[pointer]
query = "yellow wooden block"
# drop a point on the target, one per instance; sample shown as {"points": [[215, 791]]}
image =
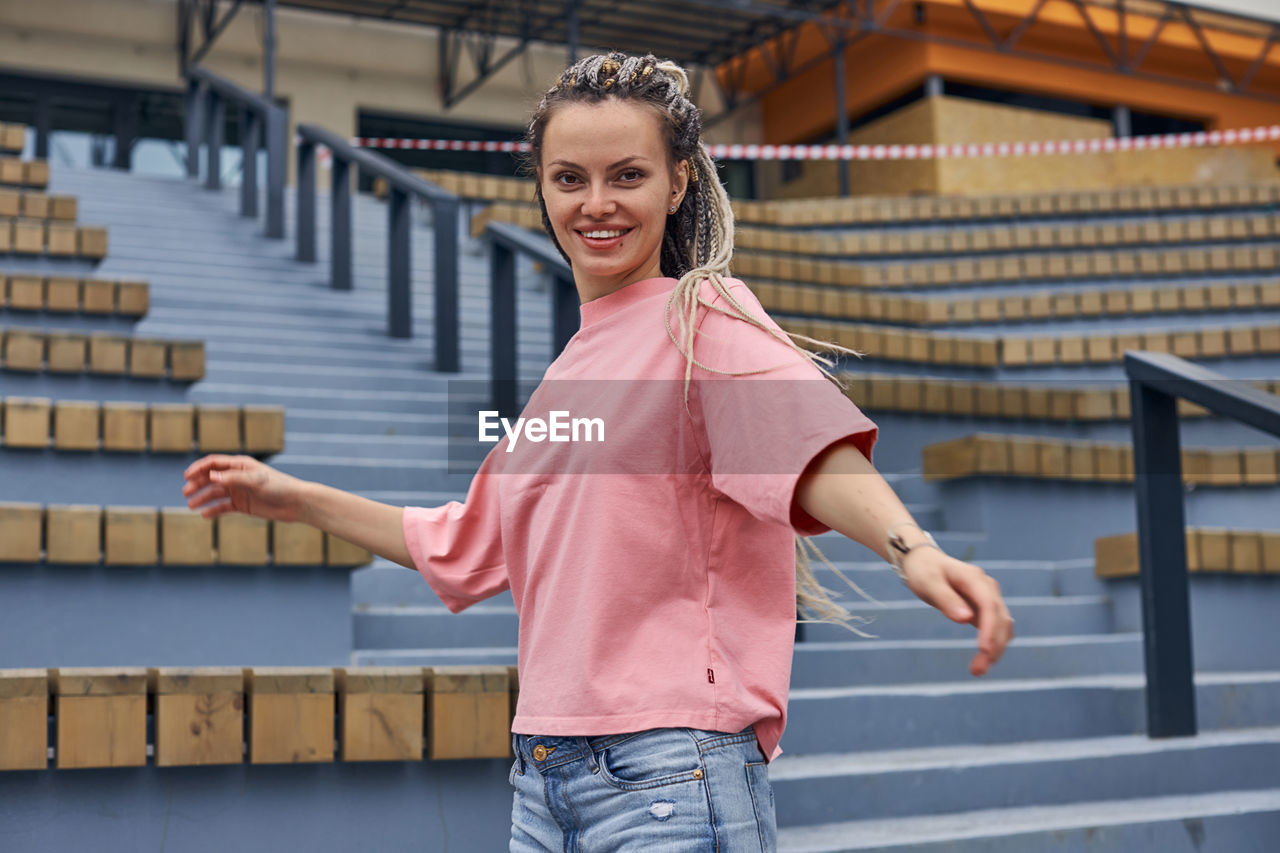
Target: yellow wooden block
{"points": [[124, 426], [218, 429], [93, 242], [1116, 556], [1260, 467], [242, 540], [1110, 466], [1053, 459], [62, 294], [468, 712], [26, 422], [133, 298], [340, 552], [1244, 551], [131, 535], [383, 713], [102, 717], [21, 531], [99, 296], [199, 715], [24, 719], [67, 352], [297, 544], [35, 173], [108, 354], [948, 460], [63, 207], [172, 427], [1270, 541], [27, 292], [10, 203], [28, 237], [186, 360], [1081, 461], [291, 714], [73, 534], [186, 538], [147, 357], [62, 239], [77, 425]]}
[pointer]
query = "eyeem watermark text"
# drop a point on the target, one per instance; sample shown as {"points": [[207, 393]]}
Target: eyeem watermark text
{"points": [[560, 427]]}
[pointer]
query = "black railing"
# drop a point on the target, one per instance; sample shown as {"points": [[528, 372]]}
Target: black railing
{"points": [[206, 112], [505, 243], [1156, 381], [402, 186]]}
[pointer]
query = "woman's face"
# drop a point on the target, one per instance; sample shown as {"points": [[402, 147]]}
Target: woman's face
{"points": [[607, 185]]}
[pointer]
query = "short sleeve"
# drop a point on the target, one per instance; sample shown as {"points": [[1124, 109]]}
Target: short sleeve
{"points": [[457, 547], [762, 430]]}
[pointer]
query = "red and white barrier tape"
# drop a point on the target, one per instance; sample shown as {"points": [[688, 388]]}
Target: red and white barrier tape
{"points": [[891, 152]]}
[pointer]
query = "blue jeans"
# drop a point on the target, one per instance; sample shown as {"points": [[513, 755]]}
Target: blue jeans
{"points": [[666, 790]]}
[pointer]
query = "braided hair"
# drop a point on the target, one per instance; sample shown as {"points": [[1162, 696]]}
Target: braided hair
{"points": [[697, 243]]}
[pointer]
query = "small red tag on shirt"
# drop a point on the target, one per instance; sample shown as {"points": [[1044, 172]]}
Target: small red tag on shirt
{"points": [[711, 676]]}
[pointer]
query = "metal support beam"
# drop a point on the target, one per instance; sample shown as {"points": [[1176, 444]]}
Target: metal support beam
{"points": [[1122, 120], [211, 34], [502, 329], [269, 49], [933, 86], [340, 226], [1162, 558], [571, 13], [277, 169], [306, 224], [193, 119], [215, 121], [250, 141], [124, 120], [44, 126], [399, 301], [444, 216], [842, 112]]}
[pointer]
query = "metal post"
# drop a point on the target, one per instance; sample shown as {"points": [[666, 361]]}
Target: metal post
{"points": [[340, 225], [1122, 120], [444, 215], [502, 329], [44, 126], [215, 118], [399, 303], [124, 119], [933, 86], [571, 14], [193, 119], [250, 139], [1162, 559], [842, 114], [566, 313], [277, 165], [269, 49], [306, 225]]}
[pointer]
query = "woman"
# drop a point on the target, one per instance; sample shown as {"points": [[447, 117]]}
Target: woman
{"points": [[655, 575]]}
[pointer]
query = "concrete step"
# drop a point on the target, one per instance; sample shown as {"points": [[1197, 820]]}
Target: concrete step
{"points": [[1226, 820], [982, 711], [886, 784], [913, 619], [420, 626]]}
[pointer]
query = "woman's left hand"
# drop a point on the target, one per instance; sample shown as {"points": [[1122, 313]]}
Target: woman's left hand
{"points": [[965, 593]]}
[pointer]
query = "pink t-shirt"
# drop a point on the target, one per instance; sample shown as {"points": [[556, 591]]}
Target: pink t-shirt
{"points": [[653, 570]]}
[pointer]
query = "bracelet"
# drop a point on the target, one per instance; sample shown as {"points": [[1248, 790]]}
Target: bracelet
{"points": [[898, 550]]}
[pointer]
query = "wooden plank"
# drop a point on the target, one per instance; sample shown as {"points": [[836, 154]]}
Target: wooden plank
{"points": [[133, 298], [218, 428], [21, 532], [73, 534], [24, 719], [383, 713], [108, 354], [27, 293], [291, 714], [124, 426], [1245, 551], [77, 425], [67, 352], [28, 237], [62, 239], [99, 296], [172, 427], [186, 360], [62, 294], [340, 552], [131, 535], [468, 712], [93, 242], [1116, 556], [296, 544], [186, 538], [199, 715], [26, 422], [263, 429], [147, 357], [24, 350], [242, 540], [102, 717], [1260, 467]]}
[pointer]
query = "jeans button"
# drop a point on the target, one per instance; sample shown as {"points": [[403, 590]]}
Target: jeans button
{"points": [[539, 753]]}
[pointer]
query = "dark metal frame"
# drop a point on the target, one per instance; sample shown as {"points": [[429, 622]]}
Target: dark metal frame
{"points": [[506, 242], [207, 97], [402, 186], [1156, 381]]}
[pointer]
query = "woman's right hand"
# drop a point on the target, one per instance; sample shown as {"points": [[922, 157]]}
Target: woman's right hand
{"points": [[218, 484]]}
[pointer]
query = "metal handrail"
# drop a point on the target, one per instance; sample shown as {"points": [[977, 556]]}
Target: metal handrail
{"points": [[506, 241], [402, 185], [206, 99], [1156, 381]]}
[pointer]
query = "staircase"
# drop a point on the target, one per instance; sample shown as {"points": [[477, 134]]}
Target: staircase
{"points": [[890, 745]]}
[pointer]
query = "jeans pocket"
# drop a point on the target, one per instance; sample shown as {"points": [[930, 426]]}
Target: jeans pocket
{"points": [[762, 801], [652, 759]]}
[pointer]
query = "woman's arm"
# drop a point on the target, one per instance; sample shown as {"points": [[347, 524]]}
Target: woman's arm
{"points": [[841, 489]]}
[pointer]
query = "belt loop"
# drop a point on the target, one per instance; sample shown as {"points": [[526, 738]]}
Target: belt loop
{"points": [[589, 753], [516, 748]]}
